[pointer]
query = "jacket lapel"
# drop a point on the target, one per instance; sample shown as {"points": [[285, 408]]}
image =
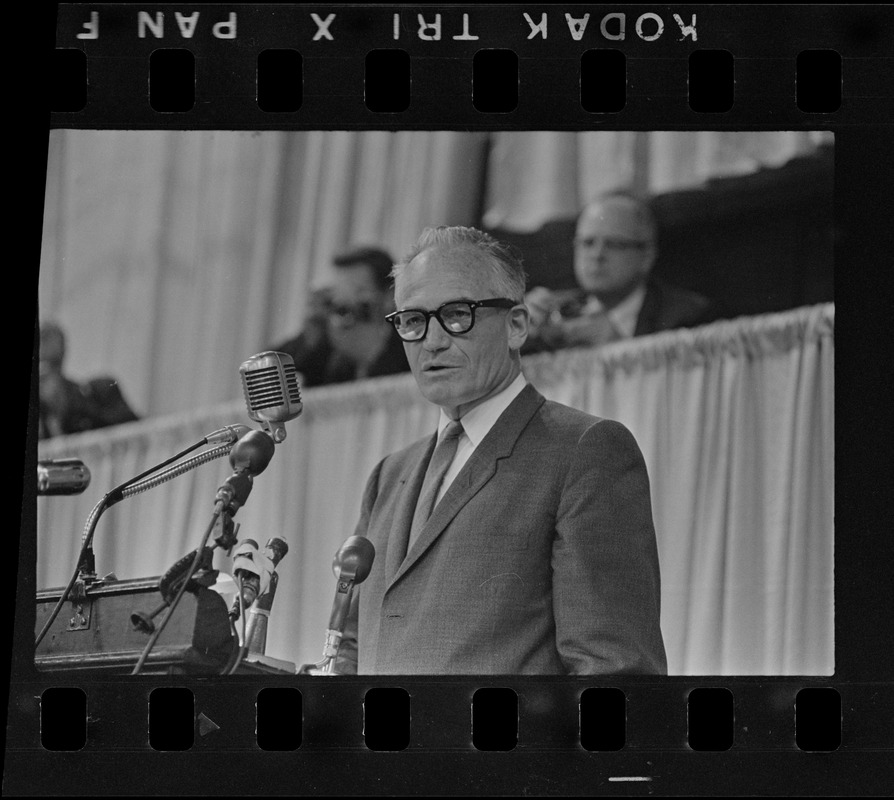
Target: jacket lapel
{"points": [[646, 321], [411, 485], [478, 470]]}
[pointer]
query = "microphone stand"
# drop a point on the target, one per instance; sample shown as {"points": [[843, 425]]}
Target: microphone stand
{"points": [[249, 457], [351, 565], [230, 497], [85, 571]]}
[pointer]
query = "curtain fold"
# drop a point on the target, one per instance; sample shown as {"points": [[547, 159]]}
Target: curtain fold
{"points": [[537, 176], [735, 421]]}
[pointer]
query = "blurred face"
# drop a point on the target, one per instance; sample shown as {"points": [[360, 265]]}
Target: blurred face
{"points": [[355, 310], [355, 296], [613, 249], [458, 372]]}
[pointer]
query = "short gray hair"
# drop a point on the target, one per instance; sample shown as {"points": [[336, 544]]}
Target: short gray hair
{"points": [[507, 268]]}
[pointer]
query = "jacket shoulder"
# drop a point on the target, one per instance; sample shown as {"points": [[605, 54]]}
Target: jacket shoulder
{"points": [[667, 306], [559, 417]]}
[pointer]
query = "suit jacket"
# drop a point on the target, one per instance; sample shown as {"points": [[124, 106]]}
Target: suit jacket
{"points": [[540, 558], [666, 307], [87, 406]]}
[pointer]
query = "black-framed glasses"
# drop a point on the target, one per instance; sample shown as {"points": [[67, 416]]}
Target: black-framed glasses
{"points": [[350, 314], [455, 317], [611, 243]]}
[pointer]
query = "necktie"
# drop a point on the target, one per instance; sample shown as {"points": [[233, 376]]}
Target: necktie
{"points": [[440, 462]]}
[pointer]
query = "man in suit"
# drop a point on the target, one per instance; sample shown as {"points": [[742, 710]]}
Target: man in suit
{"points": [[539, 556], [617, 295], [67, 406], [346, 337]]}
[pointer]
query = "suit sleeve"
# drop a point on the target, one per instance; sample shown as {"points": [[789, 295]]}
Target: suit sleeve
{"points": [[346, 661], [606, 583]]}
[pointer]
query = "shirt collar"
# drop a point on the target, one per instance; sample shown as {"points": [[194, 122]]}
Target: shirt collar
{"points": [[478, 422], [625, 314]]}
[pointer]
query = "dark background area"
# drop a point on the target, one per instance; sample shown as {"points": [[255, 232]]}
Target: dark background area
{"points": [[756, 243]]}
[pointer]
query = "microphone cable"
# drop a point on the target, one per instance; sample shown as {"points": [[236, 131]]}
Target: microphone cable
{"points": [[180, 592]]}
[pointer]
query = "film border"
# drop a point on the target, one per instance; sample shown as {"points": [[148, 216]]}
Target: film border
{"points": [[334, 761]]}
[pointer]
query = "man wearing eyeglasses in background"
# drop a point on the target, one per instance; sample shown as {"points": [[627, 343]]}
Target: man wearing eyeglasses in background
{"points": [[346, 336], [519, 538], [618, 298]]}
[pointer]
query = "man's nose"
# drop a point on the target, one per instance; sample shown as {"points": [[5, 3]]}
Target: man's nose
{"points": [[436, 338]]}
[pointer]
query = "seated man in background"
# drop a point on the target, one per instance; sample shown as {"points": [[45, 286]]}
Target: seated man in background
{"points": [[70, 407], [346, 336], [614, 250]]}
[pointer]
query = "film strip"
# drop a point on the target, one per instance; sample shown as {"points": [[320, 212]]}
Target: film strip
{"points": [[501, 67]]}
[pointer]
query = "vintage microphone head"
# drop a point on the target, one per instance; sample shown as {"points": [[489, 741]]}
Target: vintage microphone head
{"points": [[354, 559], [272, 394]]}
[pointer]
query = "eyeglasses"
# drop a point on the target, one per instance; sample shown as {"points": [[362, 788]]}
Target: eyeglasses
{"points": [[611, 243], [455, 318], [349, 315]]}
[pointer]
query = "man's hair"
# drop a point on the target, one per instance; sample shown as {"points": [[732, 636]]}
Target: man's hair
{"points": [[376, 259], [641, 207], [506, 264]]}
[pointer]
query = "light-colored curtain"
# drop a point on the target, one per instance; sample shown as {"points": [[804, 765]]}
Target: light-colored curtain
{"points": [[169, 257], [167, 254], [536, 176], [735, 421]]}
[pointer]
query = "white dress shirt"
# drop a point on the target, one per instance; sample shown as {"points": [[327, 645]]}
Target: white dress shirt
{"points": [[624, 315], [476, 425]]}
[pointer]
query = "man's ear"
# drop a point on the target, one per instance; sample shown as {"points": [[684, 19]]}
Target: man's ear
{"points": [[517, 321]]}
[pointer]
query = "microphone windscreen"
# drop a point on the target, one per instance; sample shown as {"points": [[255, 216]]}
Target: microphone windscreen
{"points": [[252, 453], [276, 549], [354, 559]]}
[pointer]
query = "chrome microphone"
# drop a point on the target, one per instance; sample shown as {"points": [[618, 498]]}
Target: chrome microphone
{"points": [[259, 612], [272, 394], [253, 568], [62, 476]]}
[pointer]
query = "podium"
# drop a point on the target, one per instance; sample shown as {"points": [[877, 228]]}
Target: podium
{"points": [[95, 635]]}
